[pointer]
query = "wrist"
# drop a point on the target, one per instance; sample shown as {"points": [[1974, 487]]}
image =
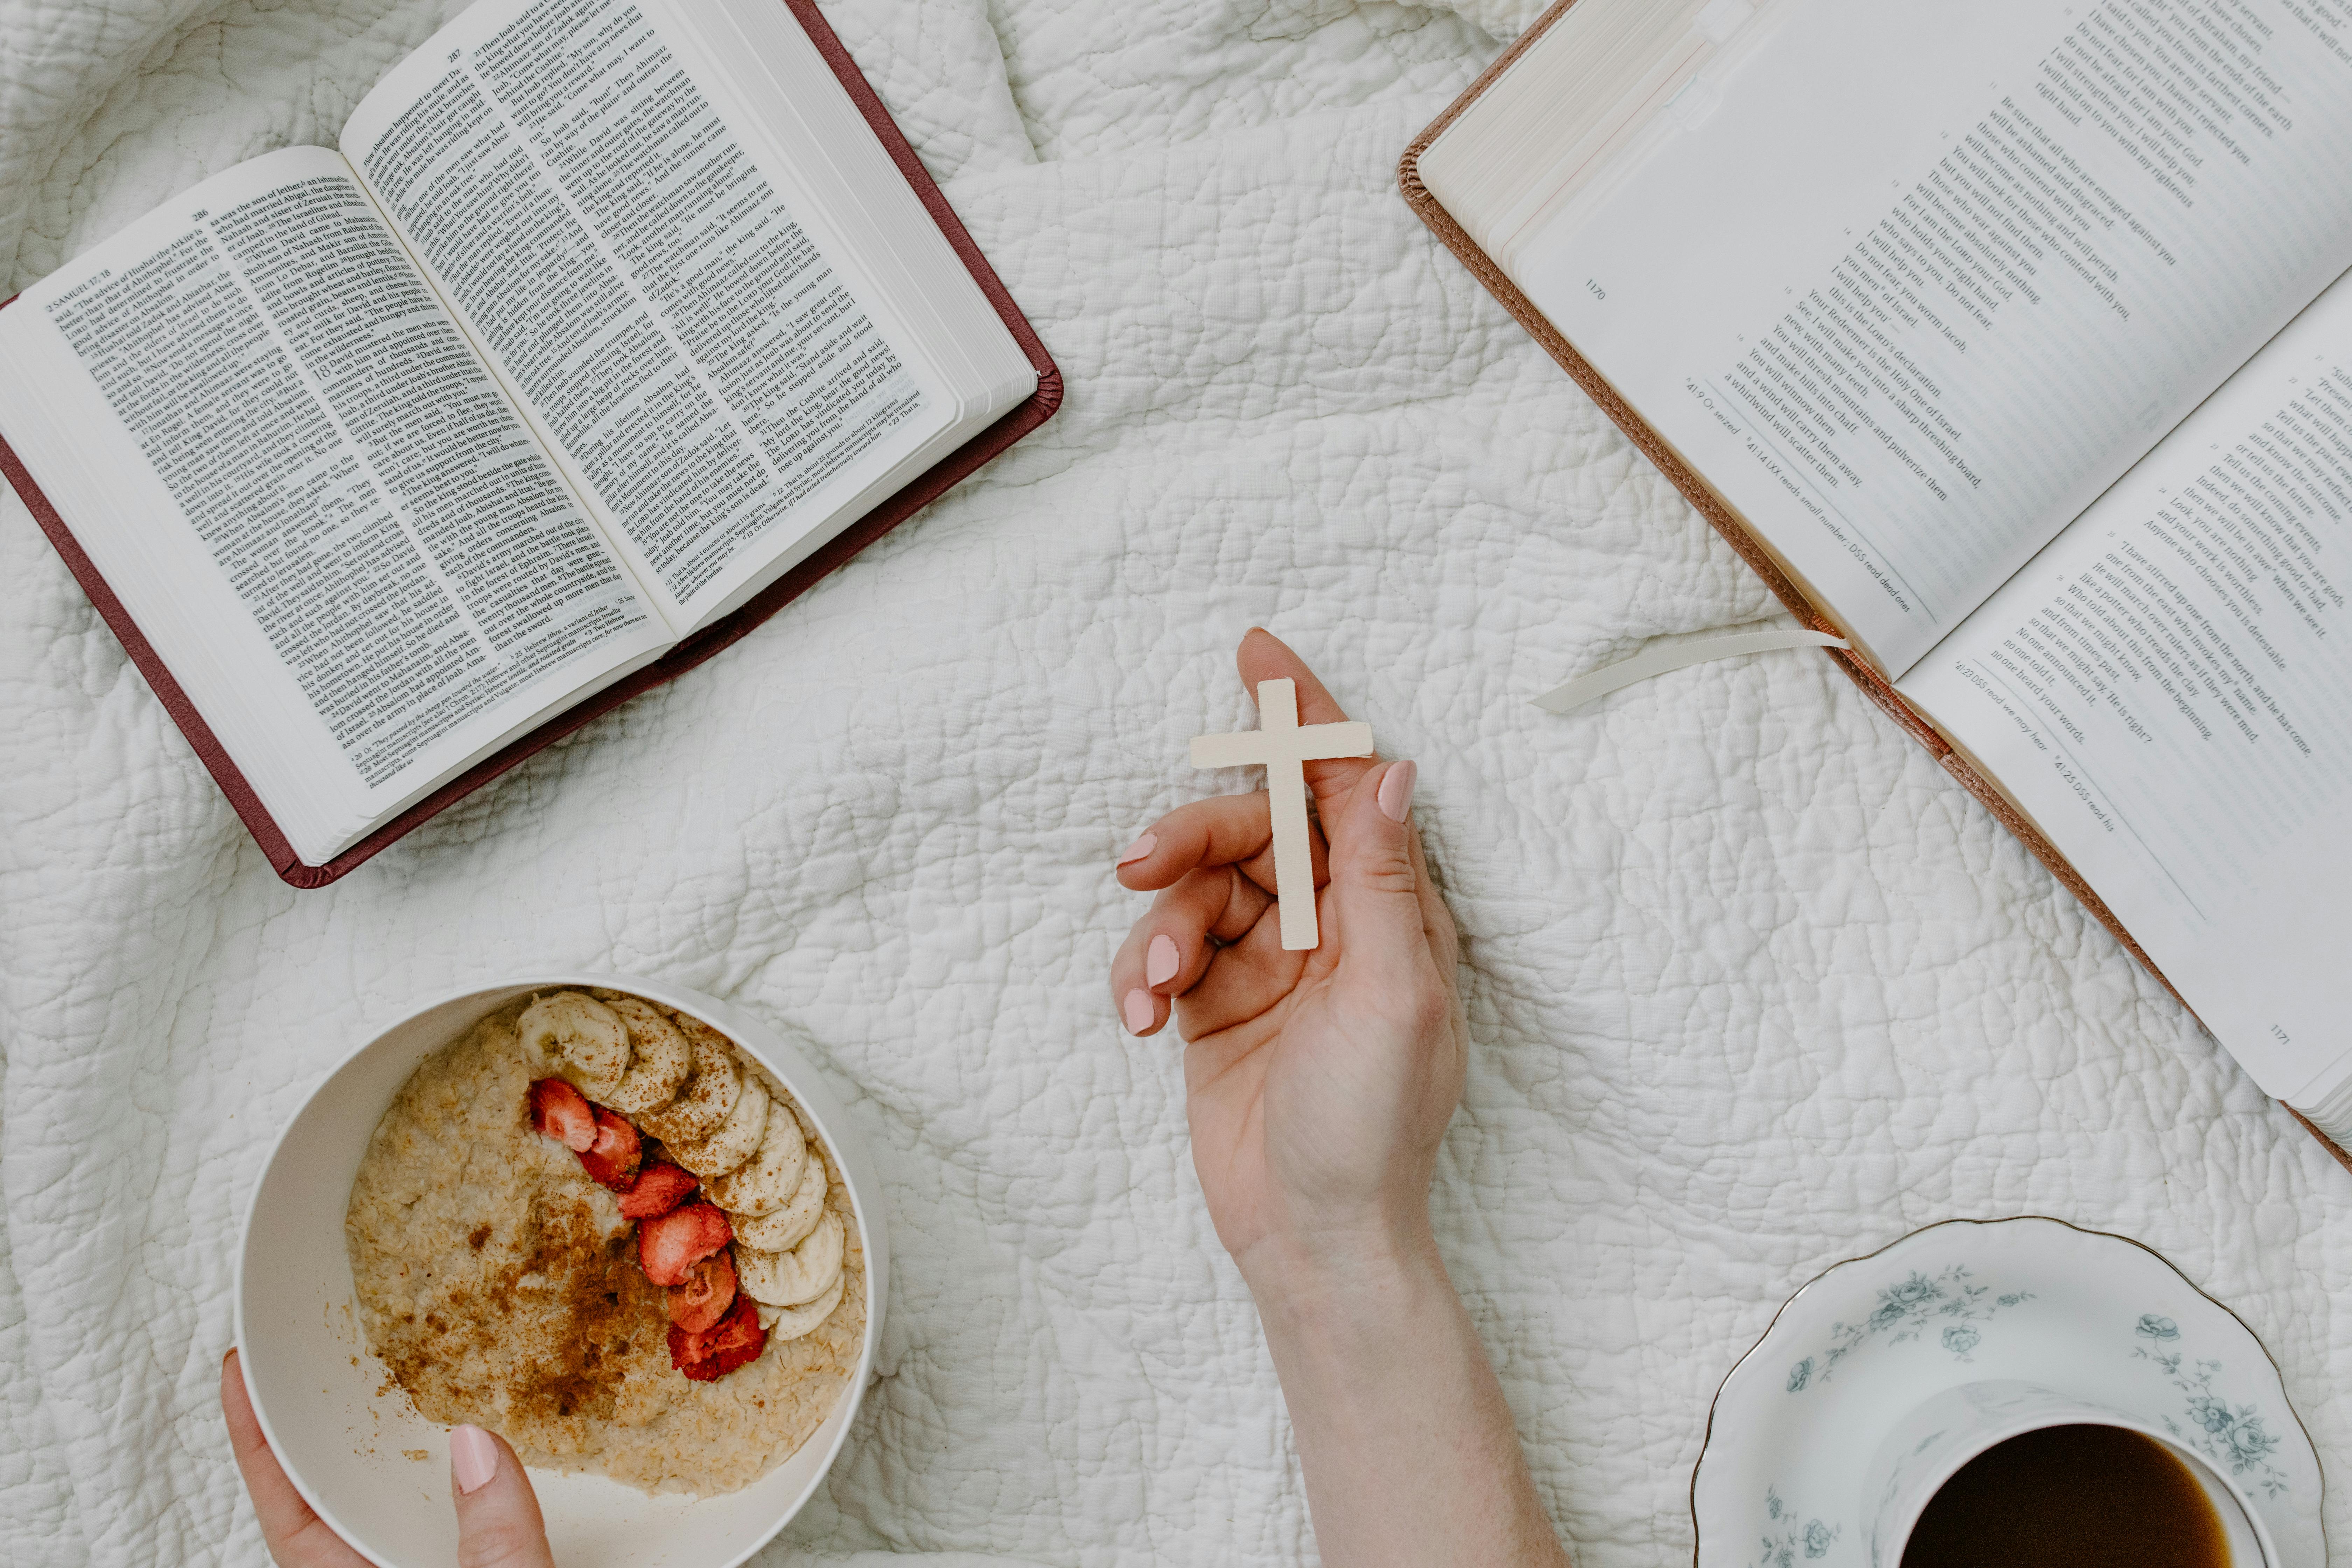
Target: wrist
{"points": [[1334, 1280]]}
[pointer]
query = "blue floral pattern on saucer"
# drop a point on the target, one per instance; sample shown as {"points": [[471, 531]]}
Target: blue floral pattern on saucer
{"points": [[1907, 1311], [2234, 1437], [1785, 1541]]}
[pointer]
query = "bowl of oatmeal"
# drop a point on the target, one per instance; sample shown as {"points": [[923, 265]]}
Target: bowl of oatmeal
{"points": [[623, 1224]]}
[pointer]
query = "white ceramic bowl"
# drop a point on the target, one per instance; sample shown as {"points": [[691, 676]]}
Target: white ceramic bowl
{"points": [[317, 1388]]}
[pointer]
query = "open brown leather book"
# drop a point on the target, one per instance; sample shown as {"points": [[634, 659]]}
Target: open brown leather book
{"points": [[2007, 342], [609, 326]]}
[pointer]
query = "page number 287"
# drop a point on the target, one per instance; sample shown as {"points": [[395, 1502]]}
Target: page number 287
{"points": [[1595, 290]]}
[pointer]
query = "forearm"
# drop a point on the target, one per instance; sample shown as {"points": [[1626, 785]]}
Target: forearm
{"points": [[1409, 1450]]}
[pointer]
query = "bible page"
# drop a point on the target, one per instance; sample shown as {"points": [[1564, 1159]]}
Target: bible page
{"points": [[2167, 689], [1911, 284], [677, 320], [311, 495]]}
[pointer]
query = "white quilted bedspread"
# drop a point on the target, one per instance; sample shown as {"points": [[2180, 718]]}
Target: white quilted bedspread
{"points": [[1753, 986]]}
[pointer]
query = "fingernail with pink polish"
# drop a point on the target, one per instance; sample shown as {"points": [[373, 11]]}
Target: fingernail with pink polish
{"points": [[1139, 1010], [1396, 790], [1139, 850], [1160, 961], [473, 1457]]}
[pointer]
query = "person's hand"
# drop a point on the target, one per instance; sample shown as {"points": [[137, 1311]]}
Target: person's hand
{"points": [[498, 1525], [1318, 1084]]}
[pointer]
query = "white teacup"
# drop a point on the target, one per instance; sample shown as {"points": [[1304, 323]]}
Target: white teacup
{"points": [[1929, 1446]]}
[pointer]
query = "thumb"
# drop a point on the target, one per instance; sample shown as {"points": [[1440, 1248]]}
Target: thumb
{"points": [[499, 1524], [1375, 886]]}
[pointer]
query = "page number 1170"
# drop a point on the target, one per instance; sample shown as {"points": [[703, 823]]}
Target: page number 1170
{"points": [[1595, 290]]}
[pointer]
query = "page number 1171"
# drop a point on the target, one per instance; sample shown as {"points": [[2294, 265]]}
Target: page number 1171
{"points": [[1595, 290]]}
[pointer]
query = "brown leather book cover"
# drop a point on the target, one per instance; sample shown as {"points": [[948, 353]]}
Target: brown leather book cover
{"points": [[925, 489], [1727, 522]]}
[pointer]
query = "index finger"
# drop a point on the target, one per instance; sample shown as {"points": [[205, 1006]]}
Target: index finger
{"points": [[1234, 830], [1264, 657]]}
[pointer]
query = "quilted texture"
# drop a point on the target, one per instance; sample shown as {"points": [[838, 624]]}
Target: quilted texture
{"points": [[1753, 986]]}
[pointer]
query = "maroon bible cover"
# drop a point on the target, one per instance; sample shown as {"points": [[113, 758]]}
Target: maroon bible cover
{"points": [[920, 493]]}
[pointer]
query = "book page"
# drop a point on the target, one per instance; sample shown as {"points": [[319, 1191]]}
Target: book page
{"points": [[2167, 688], [326, 483], [1914, 284], [659, 302]]}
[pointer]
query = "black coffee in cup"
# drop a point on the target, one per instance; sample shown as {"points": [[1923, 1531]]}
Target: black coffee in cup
{"points": [[2070, 1496]]}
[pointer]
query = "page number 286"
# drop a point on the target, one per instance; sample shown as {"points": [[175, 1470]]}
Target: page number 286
{"points": [[1595, 290]]}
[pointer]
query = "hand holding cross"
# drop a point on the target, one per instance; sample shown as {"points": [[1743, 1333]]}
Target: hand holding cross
{"points": [[1285, 747]]}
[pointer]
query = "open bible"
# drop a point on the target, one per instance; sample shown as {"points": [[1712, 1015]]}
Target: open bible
{"points": [[611, 325], [2007, 343]]}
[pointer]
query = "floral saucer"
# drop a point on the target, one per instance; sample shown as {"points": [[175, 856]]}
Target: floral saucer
{"points": [[2091, 1316]]}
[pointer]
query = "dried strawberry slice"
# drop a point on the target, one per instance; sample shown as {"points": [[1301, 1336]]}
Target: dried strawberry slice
{"points": [[657, 1189], [613, 1158], [710, 1289], [670, 1244], [562, 1112], [736, 1341]]}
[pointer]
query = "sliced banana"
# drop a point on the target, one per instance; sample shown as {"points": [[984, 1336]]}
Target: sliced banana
{"points": [[792, 1322], [659, 1060], [769, 1179], [788, 1279], [585, 1039], [789, 1225], [706, 1099], [736, 1140]]}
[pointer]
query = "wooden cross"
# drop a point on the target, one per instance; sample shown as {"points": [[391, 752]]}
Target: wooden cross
{"points": [[1285, 747]]}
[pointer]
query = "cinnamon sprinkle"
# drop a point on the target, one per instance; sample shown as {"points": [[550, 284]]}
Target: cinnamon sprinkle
{"points": [[604, 1307], [567, 1306]]}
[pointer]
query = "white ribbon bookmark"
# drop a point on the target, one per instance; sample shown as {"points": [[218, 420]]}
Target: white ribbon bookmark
{"points": [[1667, 658]]}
